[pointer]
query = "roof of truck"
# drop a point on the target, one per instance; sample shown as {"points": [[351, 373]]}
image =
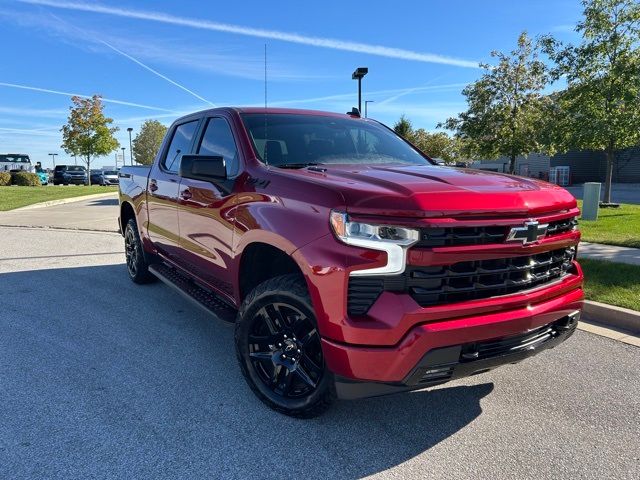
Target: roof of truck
{"points": [[270, 110]]}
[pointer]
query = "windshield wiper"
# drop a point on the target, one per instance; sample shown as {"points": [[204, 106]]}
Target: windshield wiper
{"points": [[297, 165]]}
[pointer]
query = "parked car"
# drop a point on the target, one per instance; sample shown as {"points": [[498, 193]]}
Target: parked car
{"points": [[69, 174], [351, 264], [104, 177], [96, 176]]}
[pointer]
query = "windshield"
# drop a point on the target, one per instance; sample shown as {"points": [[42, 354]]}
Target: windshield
{"points": [[74, 168], [299, 140], [110, 172], [14, 158]]}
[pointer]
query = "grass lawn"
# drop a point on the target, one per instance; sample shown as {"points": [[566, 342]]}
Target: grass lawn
{"points": [[612, 283], [615, 226], [15, 197]]}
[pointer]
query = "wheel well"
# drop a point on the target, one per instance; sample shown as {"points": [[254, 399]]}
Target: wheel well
{"points": [[126, 213], [261, 262]]}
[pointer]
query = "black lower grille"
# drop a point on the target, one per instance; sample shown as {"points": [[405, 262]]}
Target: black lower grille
{"points": [[463, 281], [516, 343]]}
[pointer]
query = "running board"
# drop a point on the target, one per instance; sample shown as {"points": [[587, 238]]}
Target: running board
{"points": [[208, 301]]}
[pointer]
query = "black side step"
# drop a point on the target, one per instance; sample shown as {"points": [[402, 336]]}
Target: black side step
{"points": [[205, 299]]}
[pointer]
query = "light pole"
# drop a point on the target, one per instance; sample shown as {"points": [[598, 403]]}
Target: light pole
{"points": [[130, 147], [367, 102], [53, 157], [357, 75], [75, 158], [123, 158]]}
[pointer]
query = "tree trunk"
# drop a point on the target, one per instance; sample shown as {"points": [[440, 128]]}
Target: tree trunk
{"points": [[607, 183], [512, 164], [88, 170]]}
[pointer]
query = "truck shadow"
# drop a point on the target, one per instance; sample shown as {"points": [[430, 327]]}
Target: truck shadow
{"points": [[151, 382]]}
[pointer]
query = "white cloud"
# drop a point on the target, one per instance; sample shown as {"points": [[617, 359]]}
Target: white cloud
{"points": [[321, 42]]}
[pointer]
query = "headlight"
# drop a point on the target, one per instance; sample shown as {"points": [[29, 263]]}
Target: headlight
{"points": [[390, 239]]}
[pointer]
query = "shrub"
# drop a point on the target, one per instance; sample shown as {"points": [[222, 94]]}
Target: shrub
{"points": [[5, 179], [25, 179]]}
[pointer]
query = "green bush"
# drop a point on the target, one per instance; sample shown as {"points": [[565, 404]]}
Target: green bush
{"points": [[25, 179], [5, 179]]}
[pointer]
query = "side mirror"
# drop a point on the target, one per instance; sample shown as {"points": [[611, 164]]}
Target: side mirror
{"points": [[203, 167]]}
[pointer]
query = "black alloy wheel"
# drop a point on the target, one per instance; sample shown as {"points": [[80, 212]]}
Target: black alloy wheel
{"points": [[285, 350], [136, 264], [279, 348]]}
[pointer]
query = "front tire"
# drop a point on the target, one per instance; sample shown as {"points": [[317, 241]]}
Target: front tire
{"points": [[137, 266], [279, 349]]}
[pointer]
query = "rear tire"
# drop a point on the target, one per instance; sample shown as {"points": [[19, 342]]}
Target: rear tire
{"points": [[279, 350], [137, 265]]}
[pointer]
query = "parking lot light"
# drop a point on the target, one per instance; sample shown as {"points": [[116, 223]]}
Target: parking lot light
{"points": [[357, 75]]}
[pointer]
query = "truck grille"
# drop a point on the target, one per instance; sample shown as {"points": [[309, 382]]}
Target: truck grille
{"points": [[516, 343], [459, 236], [463, 281]]}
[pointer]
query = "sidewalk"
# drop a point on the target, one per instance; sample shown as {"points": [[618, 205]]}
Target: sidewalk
{"points": [[611, 253], [100, 214]]}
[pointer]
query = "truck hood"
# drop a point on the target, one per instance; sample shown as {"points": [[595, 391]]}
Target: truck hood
{"points": [[436, 191]]}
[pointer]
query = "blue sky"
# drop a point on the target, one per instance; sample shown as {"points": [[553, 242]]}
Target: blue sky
{"points": [[162, 59]]}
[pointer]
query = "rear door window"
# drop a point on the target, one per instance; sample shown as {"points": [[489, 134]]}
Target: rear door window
{"points": [[180, 145]]}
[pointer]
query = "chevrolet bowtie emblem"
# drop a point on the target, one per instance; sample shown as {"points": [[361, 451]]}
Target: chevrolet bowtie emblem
{"points": [[531, 232]]}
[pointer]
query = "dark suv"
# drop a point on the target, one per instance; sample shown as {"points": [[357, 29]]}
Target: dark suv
{"points": [[66, 174]]}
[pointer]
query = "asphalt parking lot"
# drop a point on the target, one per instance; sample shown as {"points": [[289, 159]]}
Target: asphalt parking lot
{"points": [[100, 378]]}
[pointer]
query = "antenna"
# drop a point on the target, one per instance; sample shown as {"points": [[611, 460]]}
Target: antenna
{"points": [[266, 138]]}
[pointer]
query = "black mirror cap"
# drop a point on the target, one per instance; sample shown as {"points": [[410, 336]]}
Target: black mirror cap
{"points": [[203, 167]]}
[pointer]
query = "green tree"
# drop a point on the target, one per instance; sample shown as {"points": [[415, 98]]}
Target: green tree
{"points": [[436, 145], [600, 107], [87, 133], [404, 128], [506, 108], [148, 141]]}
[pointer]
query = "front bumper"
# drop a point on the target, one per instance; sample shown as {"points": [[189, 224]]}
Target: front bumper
{"points": [[444, 364], [395, 365]]}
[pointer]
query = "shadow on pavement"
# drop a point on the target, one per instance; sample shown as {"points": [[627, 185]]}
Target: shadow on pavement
{"points": [[104, 202], [103, 378]]}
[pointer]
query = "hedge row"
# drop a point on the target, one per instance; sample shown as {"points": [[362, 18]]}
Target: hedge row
{"points": [[25, 179]]}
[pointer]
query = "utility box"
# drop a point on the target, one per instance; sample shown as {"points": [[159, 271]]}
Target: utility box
{"points": [[590, 201]]}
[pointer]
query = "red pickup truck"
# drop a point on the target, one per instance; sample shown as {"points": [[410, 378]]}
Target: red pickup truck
{"points": [[350, 264]]}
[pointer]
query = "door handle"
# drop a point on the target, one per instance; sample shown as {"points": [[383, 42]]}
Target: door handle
{"points": [[186, 194], [153, 185]]}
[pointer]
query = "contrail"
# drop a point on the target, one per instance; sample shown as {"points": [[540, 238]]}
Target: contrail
{"points": [[322, 42], [135, 60], [67, 94], [397, 92], [155, 72], [35, 131]]}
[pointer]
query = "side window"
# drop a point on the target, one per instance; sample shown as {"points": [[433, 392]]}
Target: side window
{"points": [[180, 144], [218, 141]]}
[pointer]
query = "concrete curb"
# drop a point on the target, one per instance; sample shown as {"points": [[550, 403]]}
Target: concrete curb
{"points": [[609, 315], [62, 201]]}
